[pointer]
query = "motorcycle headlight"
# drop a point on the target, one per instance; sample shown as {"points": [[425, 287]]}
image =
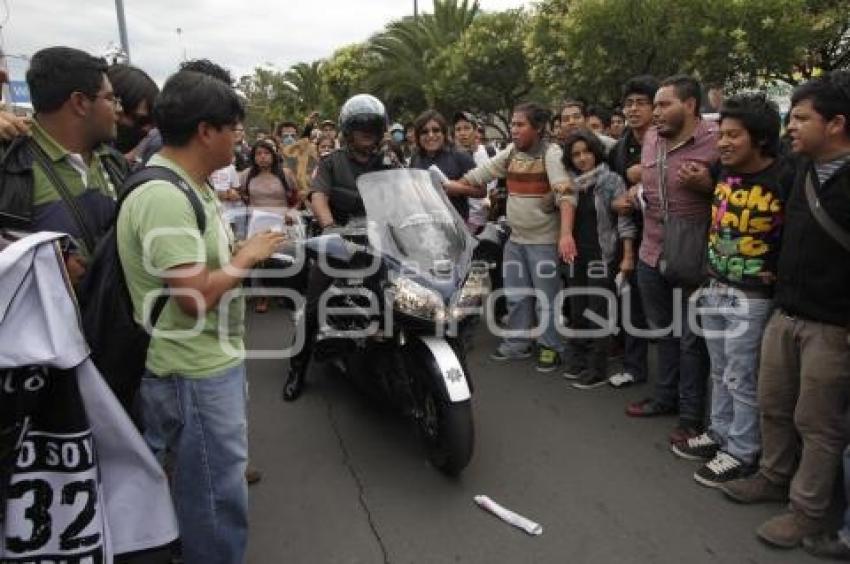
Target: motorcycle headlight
{"points": [[415, 299], [476, 288]]}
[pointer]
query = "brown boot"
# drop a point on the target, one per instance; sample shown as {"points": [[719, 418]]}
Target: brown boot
{"points": [[252, 475], [789, 529], [755, 489]]}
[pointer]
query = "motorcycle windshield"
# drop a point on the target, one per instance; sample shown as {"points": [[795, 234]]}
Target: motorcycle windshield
{"points": [[412, 221]]}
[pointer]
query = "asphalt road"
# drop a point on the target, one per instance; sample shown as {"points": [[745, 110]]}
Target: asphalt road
{"points": [[345, 482]]}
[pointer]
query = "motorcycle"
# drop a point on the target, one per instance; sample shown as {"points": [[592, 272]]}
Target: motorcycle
{"points": [[404, 288]]}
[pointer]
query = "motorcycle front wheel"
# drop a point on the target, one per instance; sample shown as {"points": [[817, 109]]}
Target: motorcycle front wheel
{"points": [[445, 428]]}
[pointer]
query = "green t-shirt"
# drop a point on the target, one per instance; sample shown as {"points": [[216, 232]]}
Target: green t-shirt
{"points": [[96, 177], [157, 230]]}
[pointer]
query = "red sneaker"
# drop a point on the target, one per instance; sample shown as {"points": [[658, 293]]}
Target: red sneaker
{"points": [[648, 408]]}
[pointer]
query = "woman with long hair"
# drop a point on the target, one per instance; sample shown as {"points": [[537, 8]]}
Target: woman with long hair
{"points": [[433, 148], [268, 186]]}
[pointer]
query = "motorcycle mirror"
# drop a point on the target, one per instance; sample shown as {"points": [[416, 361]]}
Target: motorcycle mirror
{"points": [[331, 245]]}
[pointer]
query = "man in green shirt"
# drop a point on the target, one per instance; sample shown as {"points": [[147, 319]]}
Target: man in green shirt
{"points": [[193, 393], [67, 153]]}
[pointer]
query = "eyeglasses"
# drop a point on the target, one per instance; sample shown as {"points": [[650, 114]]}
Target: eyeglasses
{"points": [[431, 130], [636, 102], [109, 97]]}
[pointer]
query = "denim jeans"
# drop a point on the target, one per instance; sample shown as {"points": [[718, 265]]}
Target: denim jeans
{"points": [[682, 361], [734, 325], [197, 429], [531, 266], [635, 355]]}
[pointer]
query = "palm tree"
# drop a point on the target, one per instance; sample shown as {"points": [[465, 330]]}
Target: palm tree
{"points": [[305, 82], [407, 47]]}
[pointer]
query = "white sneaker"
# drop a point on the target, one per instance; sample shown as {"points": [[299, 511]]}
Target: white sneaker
{"points": [[621, 379]]}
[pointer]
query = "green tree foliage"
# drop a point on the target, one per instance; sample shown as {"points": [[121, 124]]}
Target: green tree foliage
{"points": [[588, 47], [460, 57], [408, 48], [346, 73], [269, 99], [304, 80], [486, 70]]}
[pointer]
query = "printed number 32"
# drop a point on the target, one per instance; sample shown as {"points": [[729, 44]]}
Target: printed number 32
{"points": [[39, 514]]}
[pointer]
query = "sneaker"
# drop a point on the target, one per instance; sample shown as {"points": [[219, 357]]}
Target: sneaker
{"points": [[501, 356], [722, 468], [684, 432], [789, 529], [621, 380], [648, 408], [827, 546], [755, 489], [573, 372], [702, 447], [548, 360], [589, 379]]}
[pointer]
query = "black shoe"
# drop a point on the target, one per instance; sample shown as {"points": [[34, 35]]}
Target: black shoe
{"points": [[589, 379], [827, 546], [703, 447], [723, 468], [294, 385]]}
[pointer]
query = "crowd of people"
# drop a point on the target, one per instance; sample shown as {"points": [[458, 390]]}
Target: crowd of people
{"points": [[721, 240]]}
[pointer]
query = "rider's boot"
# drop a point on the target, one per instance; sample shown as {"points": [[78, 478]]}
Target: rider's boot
{"points": [[294, 382]]}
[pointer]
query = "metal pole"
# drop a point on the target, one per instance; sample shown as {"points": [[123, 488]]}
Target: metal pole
{"points": [[416, 9], [122, 28]]}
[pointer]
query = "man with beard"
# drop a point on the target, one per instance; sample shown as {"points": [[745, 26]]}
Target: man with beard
{"points": [[335, 199], [64, 176], [671, 153], [137, 92]]}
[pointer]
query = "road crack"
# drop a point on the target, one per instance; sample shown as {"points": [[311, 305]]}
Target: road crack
{"points": [[361, 491]]}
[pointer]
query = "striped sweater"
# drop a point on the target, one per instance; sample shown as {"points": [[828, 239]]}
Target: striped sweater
{"points": [[537, 185]]}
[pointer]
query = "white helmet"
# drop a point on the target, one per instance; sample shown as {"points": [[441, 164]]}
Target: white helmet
{"points": [[363, 112]]}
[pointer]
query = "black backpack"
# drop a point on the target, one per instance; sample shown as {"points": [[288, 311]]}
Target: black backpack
{"points": [[118, 344]]}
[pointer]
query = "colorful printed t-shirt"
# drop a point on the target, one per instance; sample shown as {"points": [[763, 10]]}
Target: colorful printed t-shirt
{"points": [[746, 227]]}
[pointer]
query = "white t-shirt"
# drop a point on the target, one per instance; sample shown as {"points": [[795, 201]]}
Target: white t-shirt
{"points": [[225, 179], [477, 208]]}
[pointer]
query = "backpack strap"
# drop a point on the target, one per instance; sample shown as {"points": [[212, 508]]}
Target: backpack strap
{"points": [[151, 173], [838, 233], [65, 193]]}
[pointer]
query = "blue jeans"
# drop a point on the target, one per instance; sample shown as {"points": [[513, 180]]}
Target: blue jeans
{"points": [[197, 428], [734, 358], [682, 361], [635, 355], [531, 266]]}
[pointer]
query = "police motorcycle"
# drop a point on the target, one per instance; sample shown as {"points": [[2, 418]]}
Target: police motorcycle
{"points": [[404, 286]]}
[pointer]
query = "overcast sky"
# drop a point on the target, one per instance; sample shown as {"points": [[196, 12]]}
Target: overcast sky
{"points": [[238, 34]]}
